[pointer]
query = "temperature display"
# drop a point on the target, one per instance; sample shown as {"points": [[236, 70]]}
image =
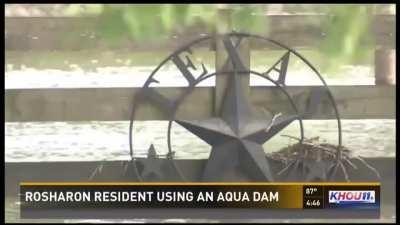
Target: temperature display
{"points": [[313, 197], [310, 191]]}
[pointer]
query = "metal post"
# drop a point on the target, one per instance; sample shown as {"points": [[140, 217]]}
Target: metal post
{"points": [[385, 66], [385, 57]]}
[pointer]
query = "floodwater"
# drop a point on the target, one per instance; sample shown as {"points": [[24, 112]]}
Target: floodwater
{"points": [[99, 140], [108, 140], [95, 140]]}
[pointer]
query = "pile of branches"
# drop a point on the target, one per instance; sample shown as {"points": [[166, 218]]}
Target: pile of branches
{"points": [[313, 149], [310, 148]]}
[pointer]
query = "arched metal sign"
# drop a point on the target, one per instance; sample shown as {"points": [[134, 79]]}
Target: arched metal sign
{"points": [[235, 133]]}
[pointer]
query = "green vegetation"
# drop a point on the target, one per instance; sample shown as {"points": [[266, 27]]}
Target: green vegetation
{"points": [[347, 32], [155, 21], [346, 26]]}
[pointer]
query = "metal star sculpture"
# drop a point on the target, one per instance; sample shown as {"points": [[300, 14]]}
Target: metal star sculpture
{"points": [[291, 171], [318, 171], [153, 164], [237, 137]]}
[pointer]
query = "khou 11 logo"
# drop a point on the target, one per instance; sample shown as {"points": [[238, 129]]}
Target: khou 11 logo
{"points": [[351, 197]]}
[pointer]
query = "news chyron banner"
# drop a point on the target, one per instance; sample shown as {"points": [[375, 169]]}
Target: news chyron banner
{"points": [[122, 200]]}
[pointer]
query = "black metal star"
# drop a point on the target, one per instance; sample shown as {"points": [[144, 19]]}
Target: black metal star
{"points": [[152, 165], [317, 171], [317, 168], [237, 137]]}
